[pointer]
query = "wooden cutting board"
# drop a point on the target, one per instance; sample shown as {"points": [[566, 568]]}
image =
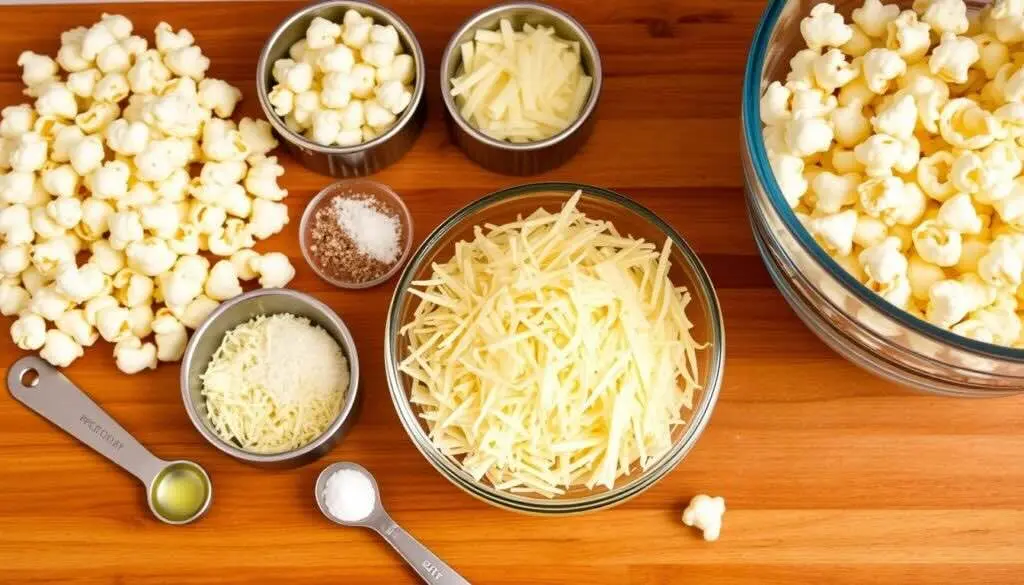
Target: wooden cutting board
{"points": [[831, 475]]}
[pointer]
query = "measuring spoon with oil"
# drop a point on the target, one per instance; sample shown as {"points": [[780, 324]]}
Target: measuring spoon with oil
{"points": [[366, 511], [178, 492]]}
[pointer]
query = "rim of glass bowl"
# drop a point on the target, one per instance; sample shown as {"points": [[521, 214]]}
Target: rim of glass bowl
{"points": [[754, 139], [620, 493]]}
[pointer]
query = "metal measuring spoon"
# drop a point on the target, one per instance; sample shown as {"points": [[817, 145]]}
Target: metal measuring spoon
{"points": [[427, 565], [178, 492]]}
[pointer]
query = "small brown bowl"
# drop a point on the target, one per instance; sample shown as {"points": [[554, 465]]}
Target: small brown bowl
{"points": [[382, 193]]}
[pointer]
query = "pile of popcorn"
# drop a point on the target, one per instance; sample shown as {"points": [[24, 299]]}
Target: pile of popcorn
{"points": [[344, 84], [102, 225], [897, 139]]}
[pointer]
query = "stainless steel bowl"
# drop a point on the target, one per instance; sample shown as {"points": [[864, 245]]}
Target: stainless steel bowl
{"points": [[348, 161], [206, 339], [629, 218], [533, 157]]}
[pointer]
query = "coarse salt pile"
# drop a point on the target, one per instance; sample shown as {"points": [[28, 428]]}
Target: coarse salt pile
{"points": [[349, 495], [374, 233]]}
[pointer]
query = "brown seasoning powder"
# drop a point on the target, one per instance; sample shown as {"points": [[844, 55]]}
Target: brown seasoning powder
{"points": [[336, 253]]}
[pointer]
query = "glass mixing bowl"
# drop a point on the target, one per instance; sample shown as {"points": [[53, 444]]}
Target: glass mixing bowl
{"points": [[629, 218], [849, 317]]}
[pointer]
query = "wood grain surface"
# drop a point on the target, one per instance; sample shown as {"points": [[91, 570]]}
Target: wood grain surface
{"points": [[831, 475]]}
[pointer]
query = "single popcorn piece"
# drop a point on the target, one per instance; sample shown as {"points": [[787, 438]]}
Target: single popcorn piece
{"points": [[833, 192], [884, 263], [958, 213], [1002, 265], [934, 175], [36, 69], [937, 244], [222, 283], [81, 283], [322, 33], [825, 28], [13, 298], [909, 37], [789, 173], [880, 67], [261, 181], [835, 231], [949, 301], [170, 336], [76, 326], [29, 332], [258, 137], [898, 119], [947, 16], [776, 105], [132, 356], [705, 514], [879, 154], [60, 349], [274, 269], [951, 60], [187, 62], [965, 124], [883, 198], [196, 311]]}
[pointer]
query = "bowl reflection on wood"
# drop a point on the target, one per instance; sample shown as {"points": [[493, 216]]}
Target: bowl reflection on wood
{"points": [[344, 161]]}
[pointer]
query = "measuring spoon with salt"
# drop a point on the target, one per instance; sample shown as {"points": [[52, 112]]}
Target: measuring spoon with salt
{"points": [[178, 492], [348, 495]]}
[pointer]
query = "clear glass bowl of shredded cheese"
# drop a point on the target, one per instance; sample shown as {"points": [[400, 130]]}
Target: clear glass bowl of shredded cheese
{"points": [[848, 316], [671, 310]]}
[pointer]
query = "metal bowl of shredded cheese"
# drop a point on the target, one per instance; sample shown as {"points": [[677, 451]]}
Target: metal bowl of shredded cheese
{"points": [[554, 348], [271, 378]]}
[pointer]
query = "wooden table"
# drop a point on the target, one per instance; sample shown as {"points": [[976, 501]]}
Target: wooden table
{"points": [[831, 475]]}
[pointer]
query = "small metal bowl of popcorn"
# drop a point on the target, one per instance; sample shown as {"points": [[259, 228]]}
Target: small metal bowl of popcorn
{"points": [[503, 153], [372, 125]]}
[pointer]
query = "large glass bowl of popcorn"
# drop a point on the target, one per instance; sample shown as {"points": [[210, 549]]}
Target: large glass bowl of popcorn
{"points": [[882, 161]]}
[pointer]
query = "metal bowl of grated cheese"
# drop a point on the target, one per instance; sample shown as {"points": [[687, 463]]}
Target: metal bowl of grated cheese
{"points": [[283, 372], [554, 348]]}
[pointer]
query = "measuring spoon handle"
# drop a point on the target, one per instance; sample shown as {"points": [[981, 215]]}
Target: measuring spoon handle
{"points": [[59, 401], [427, 565]]}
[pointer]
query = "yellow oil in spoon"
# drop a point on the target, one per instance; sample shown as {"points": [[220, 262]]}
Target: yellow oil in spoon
{"points": [[180, 492]]}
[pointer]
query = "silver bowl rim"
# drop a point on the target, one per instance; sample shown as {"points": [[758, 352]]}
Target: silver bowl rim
{"points": [[586, 41], [348, 346], [263, 65], [596, 500]]}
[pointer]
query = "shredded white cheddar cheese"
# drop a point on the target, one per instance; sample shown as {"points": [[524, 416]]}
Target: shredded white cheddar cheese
{"points": [[275, 384], [552, 352], [520, 86]]}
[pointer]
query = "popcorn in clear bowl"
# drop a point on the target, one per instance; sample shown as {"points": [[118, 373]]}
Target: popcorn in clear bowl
{"points": [[897, 140]]}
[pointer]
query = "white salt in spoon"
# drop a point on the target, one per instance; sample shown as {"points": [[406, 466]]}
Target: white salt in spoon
{"points": [[347, 494]]}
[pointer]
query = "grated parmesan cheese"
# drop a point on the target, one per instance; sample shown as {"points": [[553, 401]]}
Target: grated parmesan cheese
{"points": [[274, 384], [552, 352]]}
